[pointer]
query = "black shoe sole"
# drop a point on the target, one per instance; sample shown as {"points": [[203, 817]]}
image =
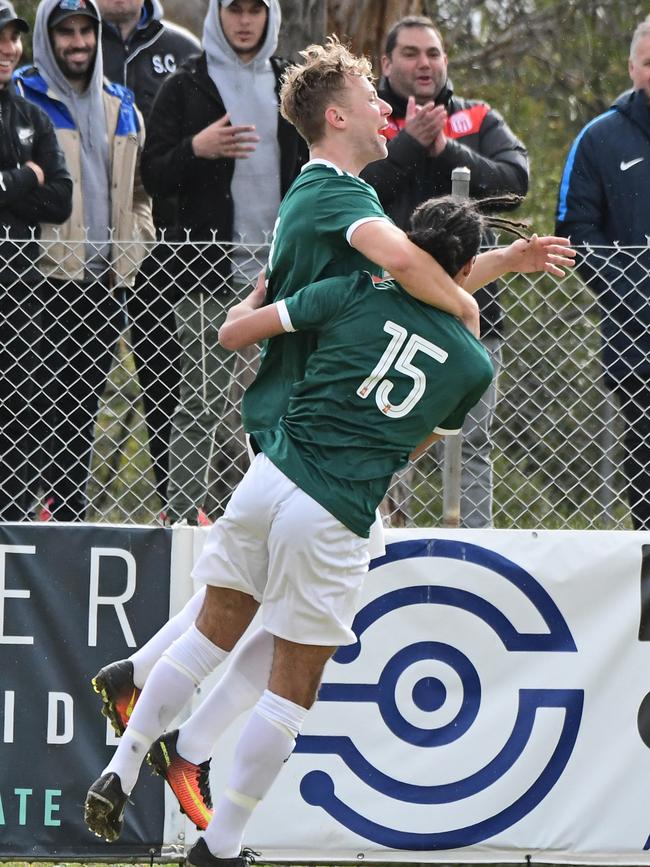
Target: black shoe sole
{"points": [[100, 819]]}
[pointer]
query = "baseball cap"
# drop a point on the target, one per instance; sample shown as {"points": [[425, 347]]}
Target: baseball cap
{"points": [[66, 8], [227, 3], [8, 16]]}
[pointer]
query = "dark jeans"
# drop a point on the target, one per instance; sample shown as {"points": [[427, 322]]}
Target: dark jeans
{"points": [[19, 345], [633, 394], [156, 353], [81, 324]]}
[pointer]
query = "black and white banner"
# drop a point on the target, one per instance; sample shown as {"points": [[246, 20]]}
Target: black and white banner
{"points": [[72, 598], [496, 705]]}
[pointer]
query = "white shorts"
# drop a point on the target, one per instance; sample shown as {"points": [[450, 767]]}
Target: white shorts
{"points": [[278, 545], [377, 540]]}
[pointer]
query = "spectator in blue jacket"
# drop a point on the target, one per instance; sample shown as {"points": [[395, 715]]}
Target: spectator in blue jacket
{"points": [[102, 134], [604, 200], [35, 187]]}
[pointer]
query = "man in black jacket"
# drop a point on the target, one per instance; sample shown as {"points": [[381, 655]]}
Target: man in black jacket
{"points": [[604, 201], [431, 132], [35, 187], [141, 50], [216, 139]]}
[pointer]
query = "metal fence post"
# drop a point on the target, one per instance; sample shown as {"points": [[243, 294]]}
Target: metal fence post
{"points": [[452, 462]]}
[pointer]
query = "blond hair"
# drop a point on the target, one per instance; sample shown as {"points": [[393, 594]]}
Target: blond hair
{"points": [[308, 88]]}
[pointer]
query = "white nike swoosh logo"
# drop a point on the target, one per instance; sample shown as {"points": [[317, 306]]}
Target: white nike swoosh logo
{"points": [[625, 166]]}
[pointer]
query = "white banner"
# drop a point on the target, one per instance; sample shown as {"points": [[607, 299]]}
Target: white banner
{"points": [[489, 711]]}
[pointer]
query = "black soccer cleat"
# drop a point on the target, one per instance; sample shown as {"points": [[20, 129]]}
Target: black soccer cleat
{"points": [[104, 807], [200, 856], [114, 683]]}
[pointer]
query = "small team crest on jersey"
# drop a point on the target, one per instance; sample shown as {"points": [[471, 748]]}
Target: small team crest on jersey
{"points": [[461, 122]]}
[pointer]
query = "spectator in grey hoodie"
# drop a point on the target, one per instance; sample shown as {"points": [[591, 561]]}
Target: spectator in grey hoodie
{"points": [[215, 138]]}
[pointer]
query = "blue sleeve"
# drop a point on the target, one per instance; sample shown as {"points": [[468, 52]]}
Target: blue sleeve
{"points": [[582, 206]]}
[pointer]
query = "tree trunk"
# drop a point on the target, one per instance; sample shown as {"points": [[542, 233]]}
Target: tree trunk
{"points": [[303, 22], [364, 23], [190, 15]]}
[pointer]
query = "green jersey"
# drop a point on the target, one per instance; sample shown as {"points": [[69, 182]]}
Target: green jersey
{"points": [[310, 242], [386, 371]]}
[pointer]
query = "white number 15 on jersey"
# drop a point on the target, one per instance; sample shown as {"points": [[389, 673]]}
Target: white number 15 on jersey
{"points": [[403, 365]]}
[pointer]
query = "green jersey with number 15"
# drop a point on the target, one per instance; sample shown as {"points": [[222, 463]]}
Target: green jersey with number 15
{"points": [[386, 371], [310, 242]]}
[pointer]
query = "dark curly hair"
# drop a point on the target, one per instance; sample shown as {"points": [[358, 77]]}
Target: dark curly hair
{"points": [[450, 228]]}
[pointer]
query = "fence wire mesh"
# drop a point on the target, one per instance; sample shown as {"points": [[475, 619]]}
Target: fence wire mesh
{"points": [[117, 404]]}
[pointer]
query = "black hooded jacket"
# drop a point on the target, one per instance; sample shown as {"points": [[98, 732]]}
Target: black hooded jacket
{"points": [[26, 134], [150, 55], [477, 137], [604, 200]]}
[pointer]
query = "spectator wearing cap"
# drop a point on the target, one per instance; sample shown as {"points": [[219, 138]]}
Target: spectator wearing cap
{"points": [[35, 187], [216, 138], [101, 133], [140, 50]]}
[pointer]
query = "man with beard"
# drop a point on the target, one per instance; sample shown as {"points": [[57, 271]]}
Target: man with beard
{"points": [[432, 131], [101, 133]]}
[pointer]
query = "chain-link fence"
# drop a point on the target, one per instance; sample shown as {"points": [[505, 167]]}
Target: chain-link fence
{"points": [[118, 405]]}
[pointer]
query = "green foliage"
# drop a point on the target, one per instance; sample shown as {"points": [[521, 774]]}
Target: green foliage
{"points": [[26, 9]]}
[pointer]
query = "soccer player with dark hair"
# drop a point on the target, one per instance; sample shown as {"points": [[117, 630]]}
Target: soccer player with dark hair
{"points": [[330, 225]]}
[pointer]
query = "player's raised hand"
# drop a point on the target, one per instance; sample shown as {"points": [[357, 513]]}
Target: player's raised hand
{"points": [[221, 139], [548, 253]]}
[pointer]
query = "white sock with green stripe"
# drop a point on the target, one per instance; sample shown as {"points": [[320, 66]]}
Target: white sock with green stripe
{"points": [[264, 746]]}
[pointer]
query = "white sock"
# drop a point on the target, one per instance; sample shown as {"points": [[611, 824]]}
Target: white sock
{"points": [[168, 689], [241, 686], [194, 655], [264, 746], [148, 655]]}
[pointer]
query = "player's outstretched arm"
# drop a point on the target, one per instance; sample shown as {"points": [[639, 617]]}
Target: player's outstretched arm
{"points": [[252, 301], [250, 327], [420, 274], [548, 253]]}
